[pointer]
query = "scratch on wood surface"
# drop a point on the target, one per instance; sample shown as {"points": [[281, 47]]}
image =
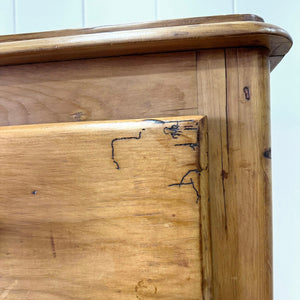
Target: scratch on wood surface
{"points": [[53, 245], [8, 290], [190, 127]]}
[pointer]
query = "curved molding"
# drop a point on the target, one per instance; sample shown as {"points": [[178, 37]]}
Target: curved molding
{"points": [[166, 36]]}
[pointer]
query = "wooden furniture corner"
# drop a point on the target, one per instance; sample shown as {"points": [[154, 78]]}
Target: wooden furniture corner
{"points": [[217, 67]]}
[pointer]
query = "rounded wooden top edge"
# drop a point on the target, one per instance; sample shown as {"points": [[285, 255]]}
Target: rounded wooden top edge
{"points": [[190, 34], [131, 26]]}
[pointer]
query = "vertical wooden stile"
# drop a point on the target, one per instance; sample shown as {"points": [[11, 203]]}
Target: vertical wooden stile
{"points": [[233, 91]]}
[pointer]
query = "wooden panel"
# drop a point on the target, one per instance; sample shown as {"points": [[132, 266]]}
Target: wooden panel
{"points": [[106, 210], [234, 94], [99, 89]]}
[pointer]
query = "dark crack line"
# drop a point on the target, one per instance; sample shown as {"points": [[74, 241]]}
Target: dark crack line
{"points": [[197, 171], [174, 131], [53, 245], [189, 183], [197, 192], [192, 145], [227, 144], [122, 139], [190, 128]]}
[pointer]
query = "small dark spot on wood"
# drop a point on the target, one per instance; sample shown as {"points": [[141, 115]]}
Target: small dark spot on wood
{"points": [[183, 263], [267, 153], [173, 215], [224, 174], [79, 116], [247, 93], [145, 288], [34, 192]]}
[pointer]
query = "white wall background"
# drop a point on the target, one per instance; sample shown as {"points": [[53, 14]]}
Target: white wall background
{"points": [[19, 16]]}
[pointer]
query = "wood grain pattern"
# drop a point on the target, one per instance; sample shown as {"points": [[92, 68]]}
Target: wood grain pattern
{"points": [[133, 26], [162, 37], [228, 82], [105, 210], [233, 89], [166, 84], [131, 87]]}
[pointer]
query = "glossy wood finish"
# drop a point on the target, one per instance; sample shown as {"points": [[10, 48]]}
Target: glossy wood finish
{"points": [[110, 28], [234, 94], [154, 37], [105, 210], [98, 89], [172, 84], [230, 85]]}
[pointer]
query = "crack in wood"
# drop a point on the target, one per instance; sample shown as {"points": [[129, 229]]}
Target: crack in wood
{"points": [[122, 139], [191, 182], [192, 145], [174, 131]]}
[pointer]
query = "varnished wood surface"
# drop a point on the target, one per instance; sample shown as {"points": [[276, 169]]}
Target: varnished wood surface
{"points": [[135, 39], [105, 210], [132, 87], [210, 82], [233, 91], [153, 24]]}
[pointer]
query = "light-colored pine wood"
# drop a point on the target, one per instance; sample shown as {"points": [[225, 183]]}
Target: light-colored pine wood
{"points": [[132, 26], [132, 87], [147, 38], [234, 93], [105, 210], [228, 84]]}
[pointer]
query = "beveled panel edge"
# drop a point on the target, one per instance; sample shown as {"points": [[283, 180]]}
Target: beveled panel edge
{"points": [[103, 124]]}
